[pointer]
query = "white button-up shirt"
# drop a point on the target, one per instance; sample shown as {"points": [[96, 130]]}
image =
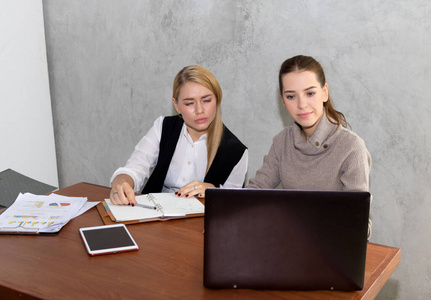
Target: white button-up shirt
{"points": [[188, 163]]}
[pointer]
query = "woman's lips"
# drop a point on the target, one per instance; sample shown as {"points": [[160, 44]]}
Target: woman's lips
{"points": [[200, 121], [304, 115]]}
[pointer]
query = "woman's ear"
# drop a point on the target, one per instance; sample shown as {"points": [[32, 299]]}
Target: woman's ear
{"points": [[325, 92], [175, 104]]}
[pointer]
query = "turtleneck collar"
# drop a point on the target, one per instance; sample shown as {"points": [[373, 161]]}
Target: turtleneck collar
{"points": [[316, 143]]}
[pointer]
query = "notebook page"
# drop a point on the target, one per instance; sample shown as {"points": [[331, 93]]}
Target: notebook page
{"points": [[174, 206], [123, 213]]}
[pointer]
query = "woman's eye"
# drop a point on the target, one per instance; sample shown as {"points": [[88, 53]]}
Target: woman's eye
{"points": [[311, 93], [207, 100], [188, 103], [289, 97]]}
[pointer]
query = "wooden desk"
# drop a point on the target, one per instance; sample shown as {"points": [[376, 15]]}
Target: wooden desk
{"points": [[169, 264]]}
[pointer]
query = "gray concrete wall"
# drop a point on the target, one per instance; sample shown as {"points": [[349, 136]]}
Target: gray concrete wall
{"points": [[111, 66]]}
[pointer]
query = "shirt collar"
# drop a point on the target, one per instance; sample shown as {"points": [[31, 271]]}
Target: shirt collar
{"points": [[186, 134]]}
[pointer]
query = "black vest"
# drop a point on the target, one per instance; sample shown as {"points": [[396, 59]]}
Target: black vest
{"points": [[227, 157]]}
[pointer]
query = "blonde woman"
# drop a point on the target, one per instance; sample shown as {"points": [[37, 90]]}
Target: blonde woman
{"points": [[187, 153]]}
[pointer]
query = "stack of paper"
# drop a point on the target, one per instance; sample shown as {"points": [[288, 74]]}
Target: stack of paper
{"points": [[35, 214]]}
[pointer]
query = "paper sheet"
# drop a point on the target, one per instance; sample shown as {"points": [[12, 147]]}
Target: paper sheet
{"points": [[43, 214]]}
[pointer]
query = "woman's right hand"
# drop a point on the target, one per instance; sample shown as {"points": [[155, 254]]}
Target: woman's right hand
{"points": [[122, 192]]}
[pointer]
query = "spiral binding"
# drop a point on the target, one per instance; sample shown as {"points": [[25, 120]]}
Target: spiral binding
{"points": [[158, 206]]}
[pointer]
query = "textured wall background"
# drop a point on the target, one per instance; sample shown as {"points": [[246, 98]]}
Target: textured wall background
{"points": [[112, 63]]}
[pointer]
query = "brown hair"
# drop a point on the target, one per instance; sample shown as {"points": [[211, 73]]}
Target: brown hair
{"points": [[202, 76], [301, 63]]}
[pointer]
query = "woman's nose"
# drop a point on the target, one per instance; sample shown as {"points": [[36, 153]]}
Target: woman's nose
{"points": [[199, 108], [302, 102]]}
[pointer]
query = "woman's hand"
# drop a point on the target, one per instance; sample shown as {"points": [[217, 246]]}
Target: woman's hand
{"points": [[194, 188], [122, 190]]}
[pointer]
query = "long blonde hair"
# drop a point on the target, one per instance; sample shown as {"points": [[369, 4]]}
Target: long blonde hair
{"points": [[204, 77]]}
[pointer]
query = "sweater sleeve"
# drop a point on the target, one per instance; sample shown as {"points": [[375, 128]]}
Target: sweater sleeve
{"points": [[355, 169]]}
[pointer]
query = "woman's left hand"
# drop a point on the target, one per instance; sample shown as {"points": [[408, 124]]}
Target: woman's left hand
{"points": [[194, 188]]}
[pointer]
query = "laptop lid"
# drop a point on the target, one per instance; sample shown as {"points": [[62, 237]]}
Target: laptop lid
{"points": [[285, 239]]}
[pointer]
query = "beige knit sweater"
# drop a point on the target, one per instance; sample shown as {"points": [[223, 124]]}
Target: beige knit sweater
{"points": [[331, 159]]}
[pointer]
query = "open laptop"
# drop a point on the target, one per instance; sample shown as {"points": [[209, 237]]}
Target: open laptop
{"points": [[285, 239]]}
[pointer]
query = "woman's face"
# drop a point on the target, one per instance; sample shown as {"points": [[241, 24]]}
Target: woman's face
{"points": [[304, 97], [198, 106]]}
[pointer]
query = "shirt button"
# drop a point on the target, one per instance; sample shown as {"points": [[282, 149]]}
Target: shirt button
{"points": [[189, 163], [317, 144], [325, 146], [184, 180]]}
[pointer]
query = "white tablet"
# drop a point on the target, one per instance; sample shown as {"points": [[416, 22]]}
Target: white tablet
{"points": [[107, 239]]}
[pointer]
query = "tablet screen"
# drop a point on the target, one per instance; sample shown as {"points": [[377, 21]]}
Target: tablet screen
{"points": [[107, 239]]}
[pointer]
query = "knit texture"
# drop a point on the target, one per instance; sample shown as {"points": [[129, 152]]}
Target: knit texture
{"points": [[331, 159]]}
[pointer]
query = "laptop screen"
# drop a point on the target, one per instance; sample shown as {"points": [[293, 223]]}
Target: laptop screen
{"points": [[285, 239]]}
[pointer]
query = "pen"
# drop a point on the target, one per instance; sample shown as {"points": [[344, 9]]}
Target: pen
{"points": [[145, 206]]}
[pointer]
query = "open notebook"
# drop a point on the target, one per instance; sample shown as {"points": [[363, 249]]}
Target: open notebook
{"points": [[166, 206]]}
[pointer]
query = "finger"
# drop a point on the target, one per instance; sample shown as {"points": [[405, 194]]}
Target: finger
{"points": [[200, 191], [122, 198], [183, 191], [189, 189], [115, 199], [194, 191], [130, 194], [118, 198], [192, 194]]}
